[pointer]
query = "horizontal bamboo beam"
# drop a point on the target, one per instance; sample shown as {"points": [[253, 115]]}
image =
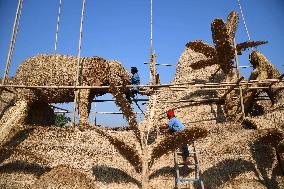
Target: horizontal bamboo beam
{"points": [[61, 111], [193, 84], [115, 112], [138, 100], [197, 100], [67, 111], [245, 66], [232, 87], [158, 64]]}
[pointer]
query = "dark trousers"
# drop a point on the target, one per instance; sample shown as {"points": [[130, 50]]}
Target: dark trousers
{"points": [[184, 150]]}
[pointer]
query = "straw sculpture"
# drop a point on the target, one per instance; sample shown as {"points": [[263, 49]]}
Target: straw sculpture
{"points": [[60, 70], [231, 155], [223, 54], [263, 69], [59, 177], [171, 142]]}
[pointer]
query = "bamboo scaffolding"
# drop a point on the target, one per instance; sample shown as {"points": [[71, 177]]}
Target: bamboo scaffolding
{"points": [[159, 64], [57, 25], [67, 111], [13, 40], [115, 112], [232, 87], [78, 73], [239, 78], [130, 86], [245, 66], [138, 100], [211, 100]]}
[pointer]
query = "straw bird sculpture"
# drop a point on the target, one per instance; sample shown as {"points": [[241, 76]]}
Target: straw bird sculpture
{"points": [[60, 70]]}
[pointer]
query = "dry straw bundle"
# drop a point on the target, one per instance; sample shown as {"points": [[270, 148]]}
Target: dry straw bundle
{"points": [[64, 177], [60, 70], [173, 141], [263, 69]]}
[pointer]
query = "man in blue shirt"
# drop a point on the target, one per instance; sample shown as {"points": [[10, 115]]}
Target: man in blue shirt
{"points": [[175, 125], [135, 80]]}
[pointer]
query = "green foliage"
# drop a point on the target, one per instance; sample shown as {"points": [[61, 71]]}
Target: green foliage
{"points": [[61, 120]]}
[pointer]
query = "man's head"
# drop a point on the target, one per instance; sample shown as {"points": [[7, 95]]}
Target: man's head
{"points": [[134, 70], [170, 114]]}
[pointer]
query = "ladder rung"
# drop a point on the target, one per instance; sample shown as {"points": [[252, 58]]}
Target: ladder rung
{"points": [[190, 165], [187, 180], [180, 153]]}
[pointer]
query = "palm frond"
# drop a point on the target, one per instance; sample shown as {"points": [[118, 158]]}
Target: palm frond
{"points": [[272, 137], [219, 32], [173, 141], [202, 47], [248, 44], [203, 63], [232, 23], [127, 151], [23, 153]]}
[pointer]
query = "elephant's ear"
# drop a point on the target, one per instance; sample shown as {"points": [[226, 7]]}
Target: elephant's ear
{"points": [[127, 151], [173, 141]]}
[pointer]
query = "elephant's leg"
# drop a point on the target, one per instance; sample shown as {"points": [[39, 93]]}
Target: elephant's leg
{"points": [[124, 105], [84, 106]]}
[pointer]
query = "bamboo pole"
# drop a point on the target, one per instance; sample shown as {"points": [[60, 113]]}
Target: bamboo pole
{"points": [[78, 73], [159, 64], [57, 25], [67, 111], [115, 112], [232, 87], [139, 100], [107, 87], [13, 40], [238, 74]]}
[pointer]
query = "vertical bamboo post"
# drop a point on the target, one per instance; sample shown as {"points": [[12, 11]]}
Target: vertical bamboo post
{"points": [[152, 61], [13, 39], [95, 113], [78, 72], [57, 25], [238, 75]]}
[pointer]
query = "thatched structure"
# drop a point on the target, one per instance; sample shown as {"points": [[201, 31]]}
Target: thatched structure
{"points": [[231, 155], [223, 54], [263, 69], [61, 70]]}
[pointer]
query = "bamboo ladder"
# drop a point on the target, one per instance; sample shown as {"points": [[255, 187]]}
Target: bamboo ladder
{"points": [[179, 181]]}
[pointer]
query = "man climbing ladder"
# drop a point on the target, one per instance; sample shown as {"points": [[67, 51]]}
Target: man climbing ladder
{"points": [[187, 182]]}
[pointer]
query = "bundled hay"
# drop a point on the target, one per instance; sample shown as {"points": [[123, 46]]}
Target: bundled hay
{"points": [[60, 70], [64, 177], [223, 53], [127, 151], [171, 142], [263, 69]]}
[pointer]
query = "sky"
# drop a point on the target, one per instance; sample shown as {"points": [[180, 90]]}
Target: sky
{"points": [[120, 30]]}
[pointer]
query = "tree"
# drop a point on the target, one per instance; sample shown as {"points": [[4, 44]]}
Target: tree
{"points": [[61, 120]]}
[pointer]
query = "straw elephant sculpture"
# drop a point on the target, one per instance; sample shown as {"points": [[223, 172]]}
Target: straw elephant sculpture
{"points": [[60, 70]]}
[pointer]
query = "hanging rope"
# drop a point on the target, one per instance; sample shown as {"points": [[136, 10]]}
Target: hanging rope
{"points": [[13, 40], [78, 73], [243, 18], [57, 25]]}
